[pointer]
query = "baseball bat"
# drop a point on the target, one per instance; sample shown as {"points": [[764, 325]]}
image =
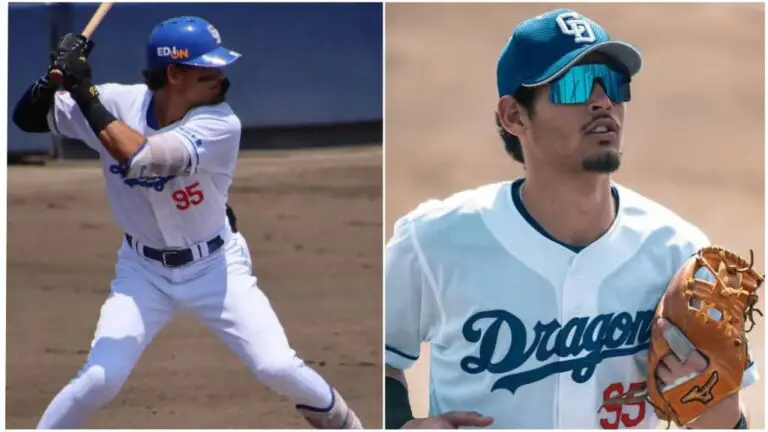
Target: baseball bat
{"points": [[96, 19]]}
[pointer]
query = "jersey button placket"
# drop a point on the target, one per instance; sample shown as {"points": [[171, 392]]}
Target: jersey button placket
{"points": [[578, 301]]}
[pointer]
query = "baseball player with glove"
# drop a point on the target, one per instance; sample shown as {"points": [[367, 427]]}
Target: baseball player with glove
{"points": [[562, 299], [168, 149]]}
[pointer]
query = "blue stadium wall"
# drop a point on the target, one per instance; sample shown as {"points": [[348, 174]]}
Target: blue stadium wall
{"points": [[304, 65]]}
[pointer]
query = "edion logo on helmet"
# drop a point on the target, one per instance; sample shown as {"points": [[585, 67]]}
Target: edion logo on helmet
{"points": [[173, 52]]}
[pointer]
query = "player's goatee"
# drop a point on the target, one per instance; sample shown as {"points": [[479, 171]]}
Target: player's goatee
{"points": [[603, 163]]}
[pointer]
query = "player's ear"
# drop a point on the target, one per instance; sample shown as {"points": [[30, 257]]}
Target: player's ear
{"points": [[173, 74], [512, 116]]}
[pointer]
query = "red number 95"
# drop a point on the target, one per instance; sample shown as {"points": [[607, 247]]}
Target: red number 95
{"points": [[629, 415], [191, 195]]}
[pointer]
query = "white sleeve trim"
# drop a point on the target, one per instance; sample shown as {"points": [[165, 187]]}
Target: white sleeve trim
{"points": [[397, 361]]}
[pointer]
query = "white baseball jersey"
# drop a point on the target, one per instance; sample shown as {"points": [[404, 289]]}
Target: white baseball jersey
{"points": [[522, 328], [172, 211]]}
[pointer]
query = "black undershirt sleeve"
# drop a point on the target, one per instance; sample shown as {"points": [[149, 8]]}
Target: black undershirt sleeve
{"points": [[32, 109], [397, 406]]}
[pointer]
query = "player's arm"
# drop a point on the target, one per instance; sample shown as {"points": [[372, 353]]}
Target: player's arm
{"points": [[398, 404], [120, 141], [400, 416], [413, 315], [209, 140], [404, 286], [41, 110], [31, 110]]}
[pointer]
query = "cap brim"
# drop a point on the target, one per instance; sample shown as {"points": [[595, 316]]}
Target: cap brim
{"points": [[622, 52], [217, 58]]}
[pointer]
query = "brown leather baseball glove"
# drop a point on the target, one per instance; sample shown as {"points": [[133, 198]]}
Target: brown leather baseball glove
{"points": [[710, 301]]}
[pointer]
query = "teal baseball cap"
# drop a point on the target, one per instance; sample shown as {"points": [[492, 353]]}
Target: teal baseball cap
{"points": [[541, 48]]}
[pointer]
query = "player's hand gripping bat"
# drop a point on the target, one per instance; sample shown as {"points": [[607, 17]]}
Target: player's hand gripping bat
{"points": [[96, 19]]}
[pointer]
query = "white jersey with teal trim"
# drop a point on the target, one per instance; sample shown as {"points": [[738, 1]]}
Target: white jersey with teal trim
{"points": [[521, 328], [163, 212]]}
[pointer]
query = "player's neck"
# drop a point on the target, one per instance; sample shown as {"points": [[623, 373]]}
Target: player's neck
{"points": [[168, 110], [575, 210]]}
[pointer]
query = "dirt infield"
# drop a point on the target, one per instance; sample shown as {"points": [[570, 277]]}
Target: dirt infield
{"points": [[313, 222], [693, 137]]}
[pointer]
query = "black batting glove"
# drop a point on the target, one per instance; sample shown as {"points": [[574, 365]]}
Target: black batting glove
{"points": [[71, 43], [69, 46], [76, 77]]}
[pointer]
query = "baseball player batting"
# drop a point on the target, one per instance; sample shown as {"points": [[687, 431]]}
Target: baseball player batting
{"points": [[537, 296], [168, 149]]}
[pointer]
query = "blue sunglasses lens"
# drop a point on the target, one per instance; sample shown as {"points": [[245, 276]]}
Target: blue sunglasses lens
{"points": [[576, 85]]}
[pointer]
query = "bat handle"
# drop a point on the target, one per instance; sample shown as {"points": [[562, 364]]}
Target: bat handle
{"points": [[56, 76]]}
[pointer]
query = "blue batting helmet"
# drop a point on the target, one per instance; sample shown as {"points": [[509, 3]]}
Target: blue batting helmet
{"points": [[189, 41]]}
